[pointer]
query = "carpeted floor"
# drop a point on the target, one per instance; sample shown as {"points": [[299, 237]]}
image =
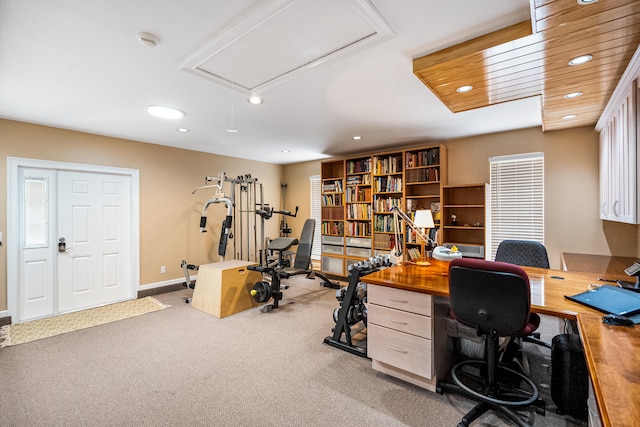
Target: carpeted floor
{"points": [[183, 367], [21, 333]]}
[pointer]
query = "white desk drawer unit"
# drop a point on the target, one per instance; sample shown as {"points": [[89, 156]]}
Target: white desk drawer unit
{"points": [[400, 334]]}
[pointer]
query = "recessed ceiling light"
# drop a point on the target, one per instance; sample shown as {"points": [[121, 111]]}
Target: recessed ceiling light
{"points": [[586, 1], [255, 100], [569, 117], [165, 112], [285, 151], [183, 130], [465, 88], [580, 59], [232, 130], [573, 95], [357, 138]]}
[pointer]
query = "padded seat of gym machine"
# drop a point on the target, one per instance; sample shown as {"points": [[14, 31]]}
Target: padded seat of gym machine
{"points": [[282, 243]]}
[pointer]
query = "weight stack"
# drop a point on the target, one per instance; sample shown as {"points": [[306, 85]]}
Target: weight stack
{"points": [[569, 376]]}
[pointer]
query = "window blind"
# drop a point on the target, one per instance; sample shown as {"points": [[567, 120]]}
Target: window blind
{"points": [[316, 212], [517, 199]]}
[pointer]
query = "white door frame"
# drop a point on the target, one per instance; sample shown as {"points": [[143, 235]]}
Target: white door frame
{"points": [[13, 225]]}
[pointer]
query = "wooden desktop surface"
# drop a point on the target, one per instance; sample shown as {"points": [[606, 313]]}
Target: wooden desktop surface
{"points": [[606, 267], [611, 352]]}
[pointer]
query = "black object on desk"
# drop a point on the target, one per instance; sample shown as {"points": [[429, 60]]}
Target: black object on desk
{"points": [[610, 299], [615, 320]]}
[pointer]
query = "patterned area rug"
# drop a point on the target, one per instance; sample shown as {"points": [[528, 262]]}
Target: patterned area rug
{"points": [[21, 333]]}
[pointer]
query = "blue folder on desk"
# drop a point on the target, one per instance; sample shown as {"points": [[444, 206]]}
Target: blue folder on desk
{"points": [[610, 299]]}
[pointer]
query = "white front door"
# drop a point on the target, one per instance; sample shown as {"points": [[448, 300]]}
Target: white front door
{"points": [[94, 220], [95, 210]]}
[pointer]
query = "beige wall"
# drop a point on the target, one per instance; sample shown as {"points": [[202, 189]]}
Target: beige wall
{"points": [[169, 213], [296, 177], [571, 156]]}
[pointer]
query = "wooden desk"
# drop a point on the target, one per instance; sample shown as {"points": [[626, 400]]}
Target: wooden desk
{"points": [[548, 287], [612, 353], [606, 267]]}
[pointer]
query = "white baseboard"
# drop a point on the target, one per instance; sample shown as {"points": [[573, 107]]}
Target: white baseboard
{"points": [[164, 283], [4, 313]]}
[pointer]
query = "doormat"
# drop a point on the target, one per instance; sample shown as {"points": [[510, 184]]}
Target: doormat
{"points": [[21, 333]]}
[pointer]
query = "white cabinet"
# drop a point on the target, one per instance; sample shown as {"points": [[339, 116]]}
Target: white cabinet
{"points": [[619, 127], [405, 335], [619, 161]]}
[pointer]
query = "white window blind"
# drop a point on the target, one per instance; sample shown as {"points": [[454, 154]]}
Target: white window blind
{"points": [[517, 199], [316, 213]]}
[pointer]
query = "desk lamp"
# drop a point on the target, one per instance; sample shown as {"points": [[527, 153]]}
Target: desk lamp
{"points": [[423, 220]]}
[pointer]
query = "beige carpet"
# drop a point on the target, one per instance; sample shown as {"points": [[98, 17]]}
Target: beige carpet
{"points": [[21, 333]]}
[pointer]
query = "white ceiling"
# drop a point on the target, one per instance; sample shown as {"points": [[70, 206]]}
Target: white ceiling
{"points": [[77, 64]]}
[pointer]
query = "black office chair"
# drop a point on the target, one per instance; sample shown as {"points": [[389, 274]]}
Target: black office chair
{"points": [[523, 252], [526, 253], [494, 298]]}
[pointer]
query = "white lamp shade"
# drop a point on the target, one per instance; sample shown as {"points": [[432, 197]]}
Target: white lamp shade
{"points": [[424, 219]]}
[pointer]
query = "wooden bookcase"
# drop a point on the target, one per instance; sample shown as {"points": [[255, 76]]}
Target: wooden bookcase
{"points": [[468, 205], [357, 221], [333, 207]]}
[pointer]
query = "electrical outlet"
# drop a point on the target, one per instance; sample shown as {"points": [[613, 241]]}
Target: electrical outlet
{"points": [[163, 269]]}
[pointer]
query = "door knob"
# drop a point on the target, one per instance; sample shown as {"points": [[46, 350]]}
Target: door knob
{"points": [[62, 245]]}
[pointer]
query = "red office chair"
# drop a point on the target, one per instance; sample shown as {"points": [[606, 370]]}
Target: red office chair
{"points": [[493, 298]]}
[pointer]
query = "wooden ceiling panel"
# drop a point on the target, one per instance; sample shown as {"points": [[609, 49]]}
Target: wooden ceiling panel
{"points": [[520, 61]]}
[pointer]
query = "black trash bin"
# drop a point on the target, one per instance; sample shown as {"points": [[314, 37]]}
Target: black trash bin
{"points": [[569, 376]]}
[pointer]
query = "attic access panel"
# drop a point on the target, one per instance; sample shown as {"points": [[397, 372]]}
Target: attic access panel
{"points": [[282, 39]]}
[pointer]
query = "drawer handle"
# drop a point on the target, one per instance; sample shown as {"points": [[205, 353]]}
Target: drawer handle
{"points": [[399, 350], [398, 300], [396, 321]]}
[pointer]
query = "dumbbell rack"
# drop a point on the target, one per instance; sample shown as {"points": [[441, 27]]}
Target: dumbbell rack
{"points": [[348, 301]]}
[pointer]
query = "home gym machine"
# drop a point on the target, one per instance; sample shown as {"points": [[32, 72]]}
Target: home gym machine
{"points": [[352, 305], [265, 290], [229, 228]]}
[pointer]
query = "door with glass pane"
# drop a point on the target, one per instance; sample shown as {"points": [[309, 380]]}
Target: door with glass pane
{"points": [[37, 258]]}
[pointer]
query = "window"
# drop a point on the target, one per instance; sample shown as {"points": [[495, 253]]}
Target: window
{"points": [[316, 214], [517, 199], [36, 213]]}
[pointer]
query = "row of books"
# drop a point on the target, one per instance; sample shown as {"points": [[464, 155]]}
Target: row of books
{"points": [[359, 211], [384, 204], [422, 175], [359, 166], [329, 212], [384, 241], [332, 227], [358, 180], [384, 165], [413, 253], [358, 195], [383, 224], [389, 184], [412, 236], [428, 157], [332, 200], [332, 186], [360, 229]]}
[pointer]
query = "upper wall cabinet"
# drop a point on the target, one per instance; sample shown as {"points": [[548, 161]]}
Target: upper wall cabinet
{"points": [[619, 153]]}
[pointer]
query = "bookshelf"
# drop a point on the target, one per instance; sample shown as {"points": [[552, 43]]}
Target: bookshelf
{"points": [[357, 221], [425, 173], [469, 230], [332, 227], [388, 191]]}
